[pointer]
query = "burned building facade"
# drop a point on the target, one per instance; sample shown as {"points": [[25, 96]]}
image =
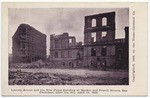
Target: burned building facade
{"points": [[65, 51], [29, 45], [99, 35], [100, 49]]}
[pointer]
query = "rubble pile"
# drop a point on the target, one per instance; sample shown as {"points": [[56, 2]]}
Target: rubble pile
{"points": [[29, 78], [37, 64], [19, 77]]}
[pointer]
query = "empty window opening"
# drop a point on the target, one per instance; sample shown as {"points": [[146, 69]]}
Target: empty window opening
{"points": [[103, 34], [104, 65], [93, 63], [78, 55], [56, 54], [29, 47], [23, 38], [104, 51], [56, 43], [70, 63], [32, 59], [62, 54], [104, 21], [70, 40], [77, 63], [63, 63], [23, 34], [24, 30], [119, 54], [94, 37], [93, 52], [24, 52], [93, 22], [23, 46], [69, 54]]}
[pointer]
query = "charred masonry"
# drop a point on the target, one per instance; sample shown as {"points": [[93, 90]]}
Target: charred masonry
{"points": [[100, 49]]}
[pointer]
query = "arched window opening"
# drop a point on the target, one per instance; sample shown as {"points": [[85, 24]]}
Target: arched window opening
{"points": [[104, 21], [63, 63], [70, 63], [93, 22]]}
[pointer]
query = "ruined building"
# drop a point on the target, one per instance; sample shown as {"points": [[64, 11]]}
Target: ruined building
{"points": [[99, 37], [29, 45], [100, 50], [65, 51]]}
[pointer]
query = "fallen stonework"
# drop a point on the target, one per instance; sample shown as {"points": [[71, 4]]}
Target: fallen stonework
{"points": [[36, 64], [20, 77]]}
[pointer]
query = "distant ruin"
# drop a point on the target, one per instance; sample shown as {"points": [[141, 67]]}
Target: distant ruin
{"points": [[65, 51]]}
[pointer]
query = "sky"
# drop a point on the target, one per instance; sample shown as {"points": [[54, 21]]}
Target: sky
{"points": [[59, 20]]}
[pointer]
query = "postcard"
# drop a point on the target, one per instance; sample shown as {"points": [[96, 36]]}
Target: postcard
{"points": [[74, 49]]}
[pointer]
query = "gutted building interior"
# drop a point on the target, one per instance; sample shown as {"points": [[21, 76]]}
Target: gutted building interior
{"points": [[100, 50], [65, 51]]}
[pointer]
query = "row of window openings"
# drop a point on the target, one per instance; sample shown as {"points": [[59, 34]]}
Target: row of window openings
{"points": [[103, 34], [25, 38], [24, 47], [70, 64], [27, 51], [24, 52], [93, 52], [70, 40], [62, 45], [27, 58], [63, 55], [103, 51], [25, 30], [69, 55], [104, 22]]}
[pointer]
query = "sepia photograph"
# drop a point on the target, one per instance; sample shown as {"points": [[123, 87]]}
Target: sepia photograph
{"points": [[68, 46], [74, 49]]}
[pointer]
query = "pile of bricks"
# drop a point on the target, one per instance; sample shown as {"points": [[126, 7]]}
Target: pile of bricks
{"points": [[29, 78]]}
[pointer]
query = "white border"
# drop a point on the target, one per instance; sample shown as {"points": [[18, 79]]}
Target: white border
{"points": [[86, 1]]}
